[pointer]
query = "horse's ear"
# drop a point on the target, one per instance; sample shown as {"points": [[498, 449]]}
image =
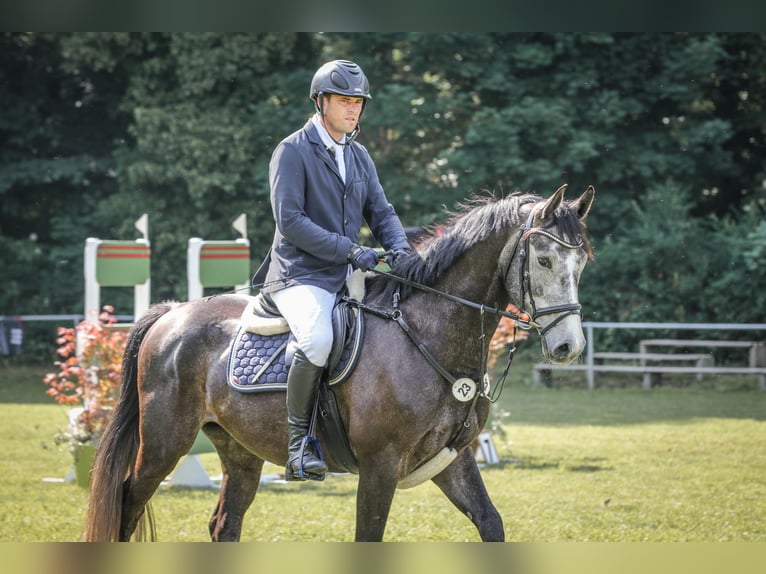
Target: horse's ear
{"points": [[552, 204], [583, 203]]}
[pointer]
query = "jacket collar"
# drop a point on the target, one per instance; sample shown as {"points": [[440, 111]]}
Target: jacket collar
{"points": [[321, 149], [313, 134], [326, 138]]}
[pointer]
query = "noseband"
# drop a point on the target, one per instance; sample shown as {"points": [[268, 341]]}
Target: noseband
{"points": [[522, 239]]}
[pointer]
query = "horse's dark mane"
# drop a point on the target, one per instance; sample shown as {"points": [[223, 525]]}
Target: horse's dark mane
{"points": [[476, 219]]}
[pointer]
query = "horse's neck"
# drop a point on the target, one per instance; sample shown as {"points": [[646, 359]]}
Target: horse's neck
{"points": [[474, 278]]}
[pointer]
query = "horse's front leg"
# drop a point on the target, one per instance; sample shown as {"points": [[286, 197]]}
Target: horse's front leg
{"points": [[375, 492], [462, 483], [241, 471]]}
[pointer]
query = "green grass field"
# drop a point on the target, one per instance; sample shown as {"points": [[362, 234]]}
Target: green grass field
{"points": [[616, 464]]}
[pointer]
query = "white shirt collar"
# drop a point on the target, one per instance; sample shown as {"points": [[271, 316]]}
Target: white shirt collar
{"points": [[330, 144], [326, 138]]}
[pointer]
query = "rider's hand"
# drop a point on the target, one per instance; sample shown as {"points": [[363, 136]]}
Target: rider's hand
{"points": [[364, 258], [396, 256]]}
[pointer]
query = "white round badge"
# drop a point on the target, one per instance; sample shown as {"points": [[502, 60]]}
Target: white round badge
{"points": [[464, 389]]}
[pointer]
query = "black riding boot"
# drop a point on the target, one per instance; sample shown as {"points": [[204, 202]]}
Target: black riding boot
{"points": [[302, 382]]}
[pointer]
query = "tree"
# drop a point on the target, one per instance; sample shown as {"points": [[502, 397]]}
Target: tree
{"points": [[55, 167], [101, 127]]}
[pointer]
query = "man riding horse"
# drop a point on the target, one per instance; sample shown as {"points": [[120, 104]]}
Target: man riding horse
{"points": [[323, 185]]}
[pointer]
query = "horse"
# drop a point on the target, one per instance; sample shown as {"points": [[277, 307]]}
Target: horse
{"points": [[402, 415]]}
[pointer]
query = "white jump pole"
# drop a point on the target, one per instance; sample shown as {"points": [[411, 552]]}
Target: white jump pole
{"points": [[141, 293], [240, 224], [92, 288]]}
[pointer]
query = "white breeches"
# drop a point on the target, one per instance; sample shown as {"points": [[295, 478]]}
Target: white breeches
{"points": [[308, 311]]}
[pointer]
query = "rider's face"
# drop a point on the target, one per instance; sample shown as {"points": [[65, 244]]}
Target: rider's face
{"points": [[341, 114]]}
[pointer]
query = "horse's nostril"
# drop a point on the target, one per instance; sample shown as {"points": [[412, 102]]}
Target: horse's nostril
{"points": [[562, 352]]}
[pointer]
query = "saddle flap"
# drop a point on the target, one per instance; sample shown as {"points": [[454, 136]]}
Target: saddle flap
{"points": [[340, 328]]}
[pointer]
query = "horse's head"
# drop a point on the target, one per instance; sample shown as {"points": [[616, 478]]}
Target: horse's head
{"points": [[548, 257]]}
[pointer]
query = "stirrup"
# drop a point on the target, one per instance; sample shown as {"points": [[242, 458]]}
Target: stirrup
{"points": [[301, 474]]}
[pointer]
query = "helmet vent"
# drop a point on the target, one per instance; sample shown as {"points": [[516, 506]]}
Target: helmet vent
{"points": [[338, 80]]}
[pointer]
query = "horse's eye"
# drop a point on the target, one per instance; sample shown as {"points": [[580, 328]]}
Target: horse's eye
{"points": [[544, 262]]}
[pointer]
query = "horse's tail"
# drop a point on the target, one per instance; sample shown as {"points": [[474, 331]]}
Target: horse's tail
{"points": [[118, 448]]}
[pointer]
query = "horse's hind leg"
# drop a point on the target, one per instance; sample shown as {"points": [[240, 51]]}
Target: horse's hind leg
{"points": [[463, 485], [158, 454], [241, 472], [141, 486]]}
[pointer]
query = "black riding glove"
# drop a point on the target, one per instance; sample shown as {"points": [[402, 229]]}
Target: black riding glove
{"points": [[364, 258], [396, 256]]}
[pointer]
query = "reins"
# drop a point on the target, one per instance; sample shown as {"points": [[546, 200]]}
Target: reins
{"points": [[521, 318]]}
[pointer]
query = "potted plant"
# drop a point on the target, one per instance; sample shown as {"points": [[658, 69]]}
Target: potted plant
{"points": [[88, 379]]}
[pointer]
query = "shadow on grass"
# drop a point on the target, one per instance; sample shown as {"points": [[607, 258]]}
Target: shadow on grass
{"points": [[535, 463], [339, 486]]}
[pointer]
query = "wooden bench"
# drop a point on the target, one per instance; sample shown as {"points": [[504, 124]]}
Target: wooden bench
{"points": [[754, 346], [542, 371], [700, 359], [644, 358], [649, 362], [756, 354]]}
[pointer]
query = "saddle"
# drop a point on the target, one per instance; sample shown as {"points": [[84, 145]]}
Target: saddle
{"points": [[260, 358], [260, 354]]}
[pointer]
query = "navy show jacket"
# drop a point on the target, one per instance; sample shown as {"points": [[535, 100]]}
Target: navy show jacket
{"points": [[318, 217]]}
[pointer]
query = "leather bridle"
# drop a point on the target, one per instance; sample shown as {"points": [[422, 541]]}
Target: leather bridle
{"points": [[522, 319], [522, 239]]}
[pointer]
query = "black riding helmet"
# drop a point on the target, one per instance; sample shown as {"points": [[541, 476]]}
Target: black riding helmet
{"points": [[341, 77]]}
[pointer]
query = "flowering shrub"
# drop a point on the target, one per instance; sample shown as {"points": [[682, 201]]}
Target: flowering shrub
{"points": [[88, 375], [503, 337]]}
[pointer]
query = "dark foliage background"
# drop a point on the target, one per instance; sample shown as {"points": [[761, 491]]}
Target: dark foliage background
{"points": [[98, 128]]}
